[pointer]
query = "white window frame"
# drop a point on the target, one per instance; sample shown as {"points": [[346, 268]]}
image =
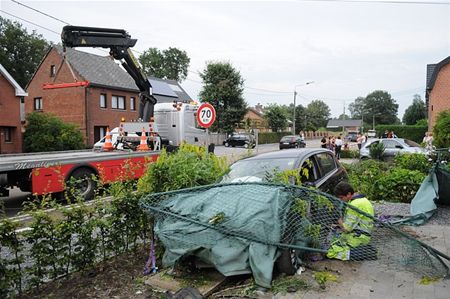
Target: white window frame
{"points": [[103, 100], [132, 103], [118, 102]]}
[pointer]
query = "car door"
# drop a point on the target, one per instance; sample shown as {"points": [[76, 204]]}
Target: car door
{"points": [[391, 147], [329, 173]]}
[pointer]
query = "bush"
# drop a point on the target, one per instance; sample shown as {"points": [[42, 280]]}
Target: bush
{"points": [[414, 133], [45, 132], [397, 185], [362, 175], [441, 130], [417, 162], [351, 154], [190, 166], [376, 150], [271, 137]]}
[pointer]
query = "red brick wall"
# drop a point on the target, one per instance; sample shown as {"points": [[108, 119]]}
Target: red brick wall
{"points": [[107, 116], [9, 117], [78, 105], [439, 97], [66, 103]]}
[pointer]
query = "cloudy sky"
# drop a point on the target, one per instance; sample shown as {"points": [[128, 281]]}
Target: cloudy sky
{"points": [[348, 48]]}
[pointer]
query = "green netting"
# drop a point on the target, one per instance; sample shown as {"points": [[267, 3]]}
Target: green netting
{"points": [[245, 227]]}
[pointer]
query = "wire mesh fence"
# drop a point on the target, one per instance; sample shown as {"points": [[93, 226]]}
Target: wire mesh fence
{"points": [[213, 221]]}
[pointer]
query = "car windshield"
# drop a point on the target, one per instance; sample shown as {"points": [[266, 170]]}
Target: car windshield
{"points": [[257, 170], [411, 143], [287, 139]]}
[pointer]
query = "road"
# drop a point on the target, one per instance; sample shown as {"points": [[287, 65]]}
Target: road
{"points": [[13, 203]]}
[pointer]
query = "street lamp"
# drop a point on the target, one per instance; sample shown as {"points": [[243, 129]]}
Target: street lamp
{"points": [[295, 97]]}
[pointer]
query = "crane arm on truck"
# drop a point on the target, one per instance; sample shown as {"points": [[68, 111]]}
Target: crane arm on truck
{"points": [[120, 43]]}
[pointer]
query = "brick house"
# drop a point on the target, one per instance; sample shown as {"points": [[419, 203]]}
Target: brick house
{"points": [[12, 116], [438, 90], [110, 96]]}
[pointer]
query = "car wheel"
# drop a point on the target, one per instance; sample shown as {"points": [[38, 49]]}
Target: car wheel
{"points": [[81, 183], [227, 144], [288, 262], [246, 145]]}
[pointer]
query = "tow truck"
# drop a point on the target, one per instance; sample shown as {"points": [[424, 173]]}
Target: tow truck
{"points": [[44, 173]]}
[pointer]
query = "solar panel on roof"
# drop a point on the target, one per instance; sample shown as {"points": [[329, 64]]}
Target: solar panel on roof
{"points": [[162, 88]]}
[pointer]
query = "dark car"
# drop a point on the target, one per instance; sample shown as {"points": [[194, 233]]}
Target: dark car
{"points": [[352, 136], [291, 141], [240, 139], [323, 168]]}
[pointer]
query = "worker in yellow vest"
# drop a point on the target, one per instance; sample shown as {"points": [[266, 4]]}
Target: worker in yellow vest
{"points": [[356, 227]]}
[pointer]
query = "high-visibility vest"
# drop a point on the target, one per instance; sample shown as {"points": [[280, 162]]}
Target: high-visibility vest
{"points": [[354, 221]]}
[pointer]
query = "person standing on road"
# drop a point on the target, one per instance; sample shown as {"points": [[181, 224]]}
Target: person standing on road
{"points": [[338, 147], [323, 142], [359, 141], [356, 228]]}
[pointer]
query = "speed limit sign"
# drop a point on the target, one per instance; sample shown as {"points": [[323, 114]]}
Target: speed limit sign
{"points": [[206, 115]]}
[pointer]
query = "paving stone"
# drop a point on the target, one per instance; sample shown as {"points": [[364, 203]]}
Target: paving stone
{"points": [[442, 292], [359, 289], [423, 291]]}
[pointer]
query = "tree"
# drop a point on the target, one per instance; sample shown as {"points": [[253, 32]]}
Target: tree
{"points": [[20, 52], [378, 107], [276, 117], [169, 64], [441, 130], [343, 116], [45, 132], [416, 111], [317, 114], [223, 88]]}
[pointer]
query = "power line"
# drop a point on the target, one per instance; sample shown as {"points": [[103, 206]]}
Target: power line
{"points": [[30, 22], [382, 2], [36, 10]]}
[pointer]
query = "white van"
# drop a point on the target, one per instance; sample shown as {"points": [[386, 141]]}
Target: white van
{"points": [[173, 124], [371, 134]]}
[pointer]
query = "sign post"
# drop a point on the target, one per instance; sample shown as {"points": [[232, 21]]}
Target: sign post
{"points": [[206, 115]]}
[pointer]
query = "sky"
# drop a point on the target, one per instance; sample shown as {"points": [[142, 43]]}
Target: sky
{"points": [[347, 48]]}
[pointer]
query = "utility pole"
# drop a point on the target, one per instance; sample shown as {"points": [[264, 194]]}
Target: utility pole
{"points": [[295, 105], [293, 121]]}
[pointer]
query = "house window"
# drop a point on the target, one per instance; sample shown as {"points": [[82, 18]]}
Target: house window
{"points": [[118, 102], [52, 70], [102, 100], [7, 133], [99, 132], [132, 103], [38, 104]]}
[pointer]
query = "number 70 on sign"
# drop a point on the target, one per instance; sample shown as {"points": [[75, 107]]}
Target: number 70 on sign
{"points": [[206, 115]]}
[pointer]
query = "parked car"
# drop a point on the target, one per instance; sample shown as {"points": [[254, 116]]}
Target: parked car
{"points": [[371, 134], [325, 171], [352, 136], [393, 146], [240, 139], [292, 141]]}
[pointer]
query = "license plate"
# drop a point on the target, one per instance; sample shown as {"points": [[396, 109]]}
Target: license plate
{"points": [[285, 142]]}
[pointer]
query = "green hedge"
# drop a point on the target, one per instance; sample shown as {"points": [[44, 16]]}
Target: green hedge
{"points": [[415, 133], [271, 137]]}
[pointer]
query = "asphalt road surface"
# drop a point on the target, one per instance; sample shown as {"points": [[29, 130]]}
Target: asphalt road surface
{"points": [[13, 203]]}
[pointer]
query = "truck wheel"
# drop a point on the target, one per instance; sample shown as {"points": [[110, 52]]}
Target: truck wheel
{"points": [[287, 262], [81, 183], [227, 144]]}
